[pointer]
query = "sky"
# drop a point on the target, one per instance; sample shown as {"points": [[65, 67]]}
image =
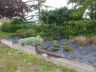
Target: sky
{"points": [[57, 3]]}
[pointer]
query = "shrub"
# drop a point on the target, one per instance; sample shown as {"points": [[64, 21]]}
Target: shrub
{"points": [[31, 41], [5, 34], [92, 40], [9, 28], [55, 44], [54, 49], [77, 28], [57, 16], [12, 35], [52, 32], [17, 21], [21, 33], [12, 26], [68, 29], [68, 49], [81, 40], [26, 33]]}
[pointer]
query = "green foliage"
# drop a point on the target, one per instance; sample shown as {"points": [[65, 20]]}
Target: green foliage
{"points": [[67, 30], [9, 28], [68, 49], [57, 16], [64, 69], [31, 41], [54, 49], [11, 35], [52, 32], [92, 40], [21, 33], [92, 11], [26, 33], [75, 28], [77, 14], [84, 4], [56, 46], [30, 30], [17, 21], [12, 27], [5, 34]]}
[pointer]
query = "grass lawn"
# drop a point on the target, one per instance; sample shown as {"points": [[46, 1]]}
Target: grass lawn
{"points": [[12, 60]]}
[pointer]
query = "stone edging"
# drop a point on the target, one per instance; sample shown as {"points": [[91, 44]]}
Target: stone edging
{"points": [[79, 67]]}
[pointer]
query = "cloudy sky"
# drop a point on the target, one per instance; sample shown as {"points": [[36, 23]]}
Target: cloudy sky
{"points": [[56, 3]]}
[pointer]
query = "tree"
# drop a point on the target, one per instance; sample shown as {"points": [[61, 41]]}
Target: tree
{"points": [[37, 5], [77, 14], [13, 8], [83, 5], [57, 16], [92, 12]]}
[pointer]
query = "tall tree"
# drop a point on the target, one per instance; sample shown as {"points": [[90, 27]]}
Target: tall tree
{"points": [[57, 16], [82, 4], [92, 12], [13, 8], [38, 5]]}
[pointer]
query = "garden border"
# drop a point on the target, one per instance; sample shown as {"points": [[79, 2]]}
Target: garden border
{"points": [[78, 66]]}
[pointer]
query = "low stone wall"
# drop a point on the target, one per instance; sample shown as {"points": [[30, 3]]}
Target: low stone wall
{"points": [[27, 48], [79, 67]]}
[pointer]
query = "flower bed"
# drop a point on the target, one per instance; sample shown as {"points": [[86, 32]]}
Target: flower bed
{"points": [[72, 51]]}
